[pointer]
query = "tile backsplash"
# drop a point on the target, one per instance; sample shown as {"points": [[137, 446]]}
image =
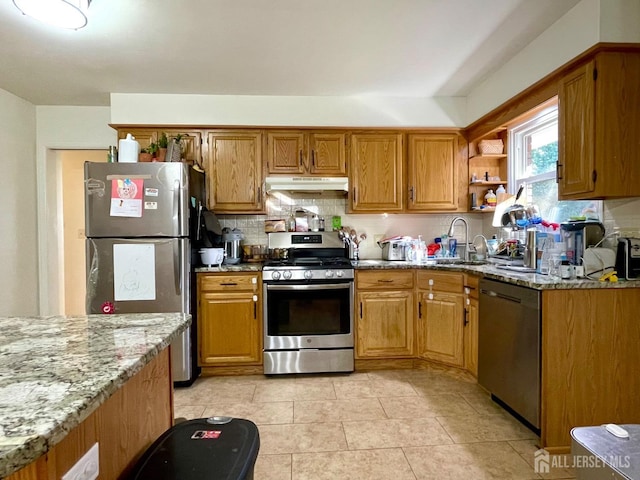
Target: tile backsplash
{"points": [[621, 215], [373, 225]]}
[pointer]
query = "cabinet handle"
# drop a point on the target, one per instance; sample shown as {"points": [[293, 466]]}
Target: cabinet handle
{"points": [[354, 195], [419, 309], [558, 177], [385, 281], [229, 284], [255, 310], [313, 158], [411, 193], [300, 157], [465, 320]]}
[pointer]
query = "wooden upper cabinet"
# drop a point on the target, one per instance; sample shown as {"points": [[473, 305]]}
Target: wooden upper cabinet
{"points": [[328, 154], [304, 153], [234, 171], [576, 129], [434, 173], [376, 172], [599, 121]]}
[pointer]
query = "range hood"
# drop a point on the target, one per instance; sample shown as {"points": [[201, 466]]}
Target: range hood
{"points": [[307, 184]]}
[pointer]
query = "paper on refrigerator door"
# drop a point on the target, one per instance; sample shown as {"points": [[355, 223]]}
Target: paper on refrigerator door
{"points": [[126, 197], [134, 272]]}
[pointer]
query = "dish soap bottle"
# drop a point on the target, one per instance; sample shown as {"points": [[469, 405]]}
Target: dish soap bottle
{"points": [[490, 198]]}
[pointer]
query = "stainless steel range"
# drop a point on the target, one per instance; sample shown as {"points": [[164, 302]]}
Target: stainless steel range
{"points": [[308, 305]]}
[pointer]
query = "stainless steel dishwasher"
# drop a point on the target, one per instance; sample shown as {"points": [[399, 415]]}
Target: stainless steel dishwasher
{"points": [[509, 347]]}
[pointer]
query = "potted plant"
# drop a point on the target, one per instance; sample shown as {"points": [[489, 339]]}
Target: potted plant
{"points": [[144, 155], [163, 142], [153, 150]]}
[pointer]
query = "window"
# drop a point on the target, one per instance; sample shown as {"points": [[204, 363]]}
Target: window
{"points": [[533, 154]]}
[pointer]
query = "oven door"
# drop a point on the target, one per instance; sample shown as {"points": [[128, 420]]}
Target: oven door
{"points": [[311, 315]]}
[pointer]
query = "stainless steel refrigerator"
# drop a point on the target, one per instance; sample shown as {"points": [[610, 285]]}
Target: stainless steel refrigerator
{"points": [[140, 224]]}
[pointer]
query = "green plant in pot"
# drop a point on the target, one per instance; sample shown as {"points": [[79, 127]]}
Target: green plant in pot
{"points": [[163, 142], [153, 149], [144, 155]]}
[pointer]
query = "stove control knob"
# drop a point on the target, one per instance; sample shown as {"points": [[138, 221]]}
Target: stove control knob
{"points": [[329, 273], [275, 275], [339, 273], [286, 275], [308, 274]]}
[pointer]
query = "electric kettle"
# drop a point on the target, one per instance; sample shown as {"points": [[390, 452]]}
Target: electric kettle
{"points": [[231, 240]]}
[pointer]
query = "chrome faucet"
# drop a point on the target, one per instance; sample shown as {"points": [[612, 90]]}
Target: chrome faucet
{"points": [[467, 253]]}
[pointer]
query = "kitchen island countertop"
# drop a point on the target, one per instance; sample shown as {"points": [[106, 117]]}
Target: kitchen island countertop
{"points": [[55, 371]]}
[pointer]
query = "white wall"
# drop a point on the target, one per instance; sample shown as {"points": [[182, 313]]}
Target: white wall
{"points": [[61, 128], [18, 222], [354, 111]]}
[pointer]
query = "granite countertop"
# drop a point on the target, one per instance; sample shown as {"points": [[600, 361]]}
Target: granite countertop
{"points": [[55, 371], [488, 270]]}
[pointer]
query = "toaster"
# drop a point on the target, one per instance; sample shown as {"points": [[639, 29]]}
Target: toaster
{"points": [[628, 258], [392, 249]]}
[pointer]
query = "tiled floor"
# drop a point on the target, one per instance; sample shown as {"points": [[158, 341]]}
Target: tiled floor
{"points": [[393, 424]]}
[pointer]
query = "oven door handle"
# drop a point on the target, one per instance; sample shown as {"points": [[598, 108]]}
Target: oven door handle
{"points": [[326, 286]]}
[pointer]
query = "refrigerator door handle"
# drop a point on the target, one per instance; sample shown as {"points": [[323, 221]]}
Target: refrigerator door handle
{"points": [[177, 270], [177, 204]]}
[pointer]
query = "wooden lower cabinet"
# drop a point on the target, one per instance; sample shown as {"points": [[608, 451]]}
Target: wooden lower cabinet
{"points": [[440, 327], [124, 427], [441, 317], [229, 319], [471, 324], [384, 314], [590, 359]]}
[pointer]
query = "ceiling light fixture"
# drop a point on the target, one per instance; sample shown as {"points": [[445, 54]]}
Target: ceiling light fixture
{"points": [[70, 14]]}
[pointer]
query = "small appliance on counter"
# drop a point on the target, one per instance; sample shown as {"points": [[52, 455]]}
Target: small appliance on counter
{"points": [[231, 240], [580, 235], [393, 248], [628, 258]]}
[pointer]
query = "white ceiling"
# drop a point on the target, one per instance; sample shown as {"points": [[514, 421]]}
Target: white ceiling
{"points": [[420, 48]]}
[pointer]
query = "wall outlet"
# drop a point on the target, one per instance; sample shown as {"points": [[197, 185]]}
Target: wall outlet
{"points": [[87, 468]]}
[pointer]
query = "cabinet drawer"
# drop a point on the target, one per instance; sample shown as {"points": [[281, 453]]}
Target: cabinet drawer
{"points": [[384, 280], [224, 282], [442, 281]]}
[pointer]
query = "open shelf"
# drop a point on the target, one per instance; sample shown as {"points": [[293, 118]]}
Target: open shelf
{"points": [[496, 156]]}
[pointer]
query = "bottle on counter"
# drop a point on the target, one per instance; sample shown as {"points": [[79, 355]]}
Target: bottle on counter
{"points": [[490, 198], [501, 194], [291, 222]]}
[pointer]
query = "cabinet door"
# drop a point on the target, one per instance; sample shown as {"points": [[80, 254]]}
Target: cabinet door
{"points": [[471, 337], [433, 173], [440, 323], [376, 172], [576, 132], [235, 172], [229, 329], [384, 327], [285, 152], [327, 152]]}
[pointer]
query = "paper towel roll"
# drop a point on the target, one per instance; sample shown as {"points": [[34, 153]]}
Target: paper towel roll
{"points": [[128, 150]]}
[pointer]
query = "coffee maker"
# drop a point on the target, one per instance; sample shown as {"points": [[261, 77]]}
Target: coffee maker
{"points": [[628, 258], [580, 235], [231, 241]]}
